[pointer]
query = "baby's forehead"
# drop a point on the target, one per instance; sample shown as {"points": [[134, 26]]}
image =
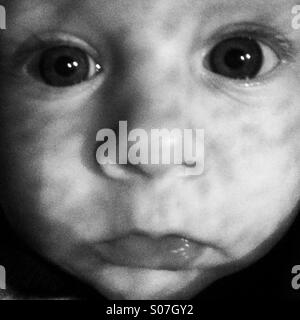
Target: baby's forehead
{"points": [[125, 7], [91, 17]]}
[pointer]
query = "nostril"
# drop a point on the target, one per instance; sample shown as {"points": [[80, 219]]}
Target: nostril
{"points": [[114, 170], [137, 169], [190, 164]]}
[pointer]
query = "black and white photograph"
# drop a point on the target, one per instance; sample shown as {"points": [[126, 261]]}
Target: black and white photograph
{"points": [[150, 151]]}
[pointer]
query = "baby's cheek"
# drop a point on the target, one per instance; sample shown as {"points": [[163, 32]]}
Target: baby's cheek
{"points": [[40, 144], [253, 165]]}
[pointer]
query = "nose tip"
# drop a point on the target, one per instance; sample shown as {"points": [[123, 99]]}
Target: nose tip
{"points": [[163, 151], [152, 154]]}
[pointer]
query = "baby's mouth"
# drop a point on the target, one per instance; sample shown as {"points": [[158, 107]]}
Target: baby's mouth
{"points": [[170, 252]]}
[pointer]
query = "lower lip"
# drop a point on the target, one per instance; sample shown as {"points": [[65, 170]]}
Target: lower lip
{"points": [[168, 253]]}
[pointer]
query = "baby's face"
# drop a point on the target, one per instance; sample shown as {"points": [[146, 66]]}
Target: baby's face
{"points": [[229, 68]]}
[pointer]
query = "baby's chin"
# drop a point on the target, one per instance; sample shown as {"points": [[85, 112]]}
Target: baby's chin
{"points": [[126, 283]]}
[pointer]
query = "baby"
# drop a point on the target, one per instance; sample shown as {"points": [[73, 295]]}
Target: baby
{"points": [[142, 231]]}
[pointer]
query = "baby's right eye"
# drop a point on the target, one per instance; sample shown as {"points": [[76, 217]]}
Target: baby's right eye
{"points": [[64, 66]]}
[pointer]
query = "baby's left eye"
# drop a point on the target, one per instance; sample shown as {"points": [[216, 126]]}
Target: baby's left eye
{"points": [[241, 58], [64, 66]]}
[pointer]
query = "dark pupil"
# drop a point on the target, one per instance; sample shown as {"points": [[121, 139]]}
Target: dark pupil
{"points": [[237, 58], [64, 66]]}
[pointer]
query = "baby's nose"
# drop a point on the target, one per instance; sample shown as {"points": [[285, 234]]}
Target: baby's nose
{"points": [[155, 137], [150, 97]]}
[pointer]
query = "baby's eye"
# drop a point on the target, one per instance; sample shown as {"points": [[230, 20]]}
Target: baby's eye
{"points": [[241, 58], [64, 66]]}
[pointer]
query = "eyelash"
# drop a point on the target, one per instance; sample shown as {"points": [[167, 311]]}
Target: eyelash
{"points": [[269, 37], [28, 56]]}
